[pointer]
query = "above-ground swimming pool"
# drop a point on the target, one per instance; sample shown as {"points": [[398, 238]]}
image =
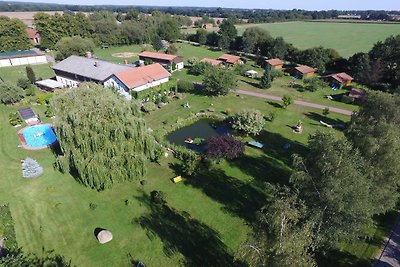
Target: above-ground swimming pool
{"points": [[37, 136]]}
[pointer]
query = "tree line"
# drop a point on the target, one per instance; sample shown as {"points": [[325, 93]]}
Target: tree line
{"points": [[253, 15]]}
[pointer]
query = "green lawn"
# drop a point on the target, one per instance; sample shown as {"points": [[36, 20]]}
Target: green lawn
{"points": [[12, 74], [346, 38]]}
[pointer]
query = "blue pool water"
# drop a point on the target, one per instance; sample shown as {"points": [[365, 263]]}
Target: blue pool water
{"points": [[39, 135]]}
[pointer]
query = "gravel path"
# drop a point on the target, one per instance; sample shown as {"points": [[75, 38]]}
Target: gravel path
{"points": [[296, 102]]}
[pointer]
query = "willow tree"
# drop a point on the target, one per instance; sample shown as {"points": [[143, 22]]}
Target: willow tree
{"points": [[103, 138]]}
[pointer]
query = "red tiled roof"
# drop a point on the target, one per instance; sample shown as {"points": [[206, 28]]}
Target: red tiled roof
{"points": [[213, 62], [142, 75], [274, 61], [32, 33], [341, 77], [231, 59], [158, 55], [304, 69], [357, 93]]}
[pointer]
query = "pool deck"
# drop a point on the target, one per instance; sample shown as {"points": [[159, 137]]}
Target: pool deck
{"points": [[23, 141]]}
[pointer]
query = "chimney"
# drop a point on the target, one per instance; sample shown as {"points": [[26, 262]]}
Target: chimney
{"points": [[96, 64], [89, 54]]}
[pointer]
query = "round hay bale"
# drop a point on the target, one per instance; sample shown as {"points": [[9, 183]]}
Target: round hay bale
{"points": [[104, 236]]}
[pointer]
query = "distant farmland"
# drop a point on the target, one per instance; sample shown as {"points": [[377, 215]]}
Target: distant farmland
{"points": [[346, 38]]}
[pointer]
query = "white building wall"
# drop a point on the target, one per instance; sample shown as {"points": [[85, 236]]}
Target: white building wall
{"points": [[5, 63], [23, 61], [67, 82], [179, 66], [149, 85]]}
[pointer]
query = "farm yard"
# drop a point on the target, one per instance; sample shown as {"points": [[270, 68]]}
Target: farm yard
{"points": [[346, 38], [179, 154]]}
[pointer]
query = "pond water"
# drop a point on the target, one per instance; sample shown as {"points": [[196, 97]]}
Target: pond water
{"points": [[203, 129]]}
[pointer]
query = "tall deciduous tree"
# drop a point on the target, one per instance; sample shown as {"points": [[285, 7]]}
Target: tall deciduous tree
{"points": [[248, 121], [333, 180], [375, 131], [76, 45], [156, 42], [169, 30], [201, 36], [13, 35], [102, 140], [281, 238], [218, 81], [227, 33], [253, 37]]}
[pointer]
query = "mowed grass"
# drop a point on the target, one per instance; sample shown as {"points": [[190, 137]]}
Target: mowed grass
{"points": [[346, 38], [12, 74]]}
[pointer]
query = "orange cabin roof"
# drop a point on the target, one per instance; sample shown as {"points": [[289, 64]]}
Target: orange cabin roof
{"points": [[231, 59], [211, 61], [142, 75], [274, 62], [341, 77], [304, 69]]}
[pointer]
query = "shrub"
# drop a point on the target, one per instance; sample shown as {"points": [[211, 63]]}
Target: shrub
{"points": [[14, 118], [164, 99], [192, 61], [185, 86], [48, 112], [10, 93], [312, 84], [228, 111], [92, 206], [271, 116], [346, 99], [326, 111], [30, 91], [248, 121], [24, 83], [223, 146], [199, 68], [287, 101], [30, 74], [149, 107]]}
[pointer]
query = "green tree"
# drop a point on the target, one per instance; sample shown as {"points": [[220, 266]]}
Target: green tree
{"points": [[30, 74], [266, 79], [201, 36], [282, 236], [13, 35], [360, 67], [326, 111], [132, 14], [312, 84], [107, 145], [10, 93], [133, 31], [287, 100], [375, 131], [172, 50], [218, 81], [156, 42], [253, 37], [316, 57], [169, 30], [227, 33], [199, 68], [75, 45], [248, 121], [333, 182]]}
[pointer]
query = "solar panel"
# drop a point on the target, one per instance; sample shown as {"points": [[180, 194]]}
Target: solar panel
{"points": [[27, 113]]}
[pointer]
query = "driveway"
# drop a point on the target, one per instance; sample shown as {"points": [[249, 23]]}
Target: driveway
{"points": [[296, 102], [390, 256]]}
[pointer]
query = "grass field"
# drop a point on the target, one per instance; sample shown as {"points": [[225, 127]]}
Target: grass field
{"points": [[12, 74], [346, 38]]}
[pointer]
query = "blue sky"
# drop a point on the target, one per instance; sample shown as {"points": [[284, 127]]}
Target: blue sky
{"points": [[274, 4]]}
